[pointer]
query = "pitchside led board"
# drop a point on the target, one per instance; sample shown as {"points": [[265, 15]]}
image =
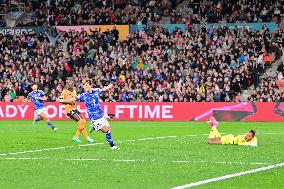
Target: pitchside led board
{"points": [[123, 29], [250, 26], [195, 111]]}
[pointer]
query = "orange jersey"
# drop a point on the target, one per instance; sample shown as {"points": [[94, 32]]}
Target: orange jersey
{"points": [[66, 94]]}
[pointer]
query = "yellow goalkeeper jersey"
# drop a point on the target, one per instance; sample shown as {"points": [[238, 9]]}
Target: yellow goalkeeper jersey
{"points": [[238, 140]]}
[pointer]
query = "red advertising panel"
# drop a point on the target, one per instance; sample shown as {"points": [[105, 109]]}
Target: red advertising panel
{"points": [[183, 111]]}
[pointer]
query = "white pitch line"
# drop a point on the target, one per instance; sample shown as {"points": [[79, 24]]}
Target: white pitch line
{"points": [[223, 162], [270, 133], [208, 134], [11, 158], [130, 140], [83, 159], [150, 138], [82, 145], [138, 160], [124, 160], [228, 176]]}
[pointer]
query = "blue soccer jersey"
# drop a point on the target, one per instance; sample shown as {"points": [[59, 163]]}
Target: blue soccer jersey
{"points": [[92, 102], [38, 104]]}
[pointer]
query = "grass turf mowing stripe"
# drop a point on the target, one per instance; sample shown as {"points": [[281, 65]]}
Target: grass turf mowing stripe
{"points": [[228, 176], [138, 160], [82, 145]]}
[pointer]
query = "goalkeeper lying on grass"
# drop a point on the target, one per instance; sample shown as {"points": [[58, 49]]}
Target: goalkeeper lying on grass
{"points": [[248, 139]]}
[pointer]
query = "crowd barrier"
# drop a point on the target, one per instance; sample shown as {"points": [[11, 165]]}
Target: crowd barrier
{"points": [[124, 30], [181, 111], [21, 30], [250, 26]]}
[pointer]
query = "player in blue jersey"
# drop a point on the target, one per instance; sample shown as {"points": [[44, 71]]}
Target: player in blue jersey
{"points": [[38, 98], [91, 98]]}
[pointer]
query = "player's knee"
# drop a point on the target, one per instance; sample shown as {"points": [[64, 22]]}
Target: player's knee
{"points": [[81, 128], [106, 129], [82, 121]]}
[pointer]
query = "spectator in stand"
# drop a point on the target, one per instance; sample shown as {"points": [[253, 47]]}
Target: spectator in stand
{"points": [[153, 65], [230, 11], [101, 12], [7, 97]]}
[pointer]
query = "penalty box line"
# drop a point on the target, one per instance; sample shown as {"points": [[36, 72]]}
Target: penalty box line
{"points": [[202, 182], [84, 145]]}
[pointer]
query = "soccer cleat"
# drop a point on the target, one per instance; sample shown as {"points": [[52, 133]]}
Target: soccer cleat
{"points": [[91, 129], [55, 129], [35, 121], [90, 140], [212, 122], [76, 139], [114, 148]]}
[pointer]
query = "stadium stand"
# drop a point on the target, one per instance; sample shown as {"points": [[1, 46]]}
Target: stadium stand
{"points": [[227, 11], [152, 65], [199, 64], [63, 12]]}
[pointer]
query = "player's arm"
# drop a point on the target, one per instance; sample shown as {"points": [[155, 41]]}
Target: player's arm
{"points": [[248, 144], [68, 100], [28, 99], [25, 100], [251, 143], [106, 88], [62, 97], [72, 100], [43, 98]]}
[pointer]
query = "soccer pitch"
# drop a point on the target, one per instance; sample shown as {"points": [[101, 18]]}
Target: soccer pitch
{"points": [[152, 155]]}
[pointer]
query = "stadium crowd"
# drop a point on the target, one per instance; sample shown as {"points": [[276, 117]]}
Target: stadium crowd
{"points": [[153, 65], [226, 11], [85, 12], [72, 12]]}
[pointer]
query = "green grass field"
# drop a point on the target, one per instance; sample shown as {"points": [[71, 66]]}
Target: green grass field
{"points": [[151, 155]]}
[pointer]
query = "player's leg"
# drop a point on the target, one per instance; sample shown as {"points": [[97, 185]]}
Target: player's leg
{"points": [[82, 123], [36, 119], [215, 141], [227, 139], [107, 131], [77, 116], [214, 136], [103, 125], [48, 122]]}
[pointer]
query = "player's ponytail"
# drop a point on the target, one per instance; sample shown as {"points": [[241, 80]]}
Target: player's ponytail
{"points": [[253, 132]]}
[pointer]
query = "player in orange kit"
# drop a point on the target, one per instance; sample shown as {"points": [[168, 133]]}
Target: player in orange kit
{"points": [[72, 112]]}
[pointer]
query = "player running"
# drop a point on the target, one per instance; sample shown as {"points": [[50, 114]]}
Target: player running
{"points": [[38, 98], [248, 139], [91, 99], [72, 112]]}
